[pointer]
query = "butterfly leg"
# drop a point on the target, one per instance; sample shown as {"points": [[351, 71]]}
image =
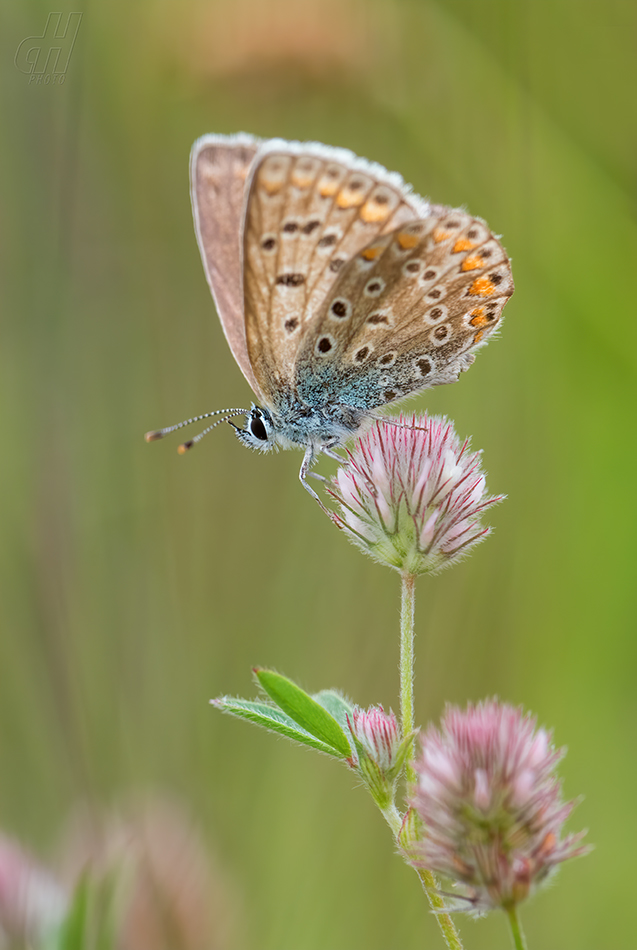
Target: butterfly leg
{"points": [[327, 450], [308, 459]]}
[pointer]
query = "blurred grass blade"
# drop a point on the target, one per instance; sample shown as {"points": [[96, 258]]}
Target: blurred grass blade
{"points": [[110, 894], [272, 719], [73, 934], [304, 710], [91, 922]]}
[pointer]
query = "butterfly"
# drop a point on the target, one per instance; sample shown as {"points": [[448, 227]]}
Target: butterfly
{"points": [[340, 291]]}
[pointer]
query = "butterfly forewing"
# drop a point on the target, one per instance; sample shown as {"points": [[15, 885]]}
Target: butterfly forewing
{"points": [[218, 172], [310, 210], [406, 313]]}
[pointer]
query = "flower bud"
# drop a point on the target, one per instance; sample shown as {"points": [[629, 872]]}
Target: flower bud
{"points": [[380, 750]]}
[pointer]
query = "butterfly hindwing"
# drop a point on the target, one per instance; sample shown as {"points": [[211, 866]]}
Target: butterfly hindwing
{"points": [[219, 167], [406, 313], [310, 210]]}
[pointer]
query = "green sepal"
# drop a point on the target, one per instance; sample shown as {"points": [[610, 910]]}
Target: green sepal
{"points": [[382, 789], [412, 831], [272, 719], [311, 715], [404, 749]]}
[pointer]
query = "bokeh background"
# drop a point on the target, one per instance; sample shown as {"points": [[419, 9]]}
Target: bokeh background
{"points": [[138, 584]]}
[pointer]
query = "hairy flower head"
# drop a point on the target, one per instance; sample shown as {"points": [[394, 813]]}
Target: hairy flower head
{"points": [[411, 494], [491, 804]]}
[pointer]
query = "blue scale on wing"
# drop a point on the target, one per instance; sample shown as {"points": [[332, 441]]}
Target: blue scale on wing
{"points": [[407, 313]]}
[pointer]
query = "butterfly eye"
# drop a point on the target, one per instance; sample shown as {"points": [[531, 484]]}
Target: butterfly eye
{"points": [[257, 429]]}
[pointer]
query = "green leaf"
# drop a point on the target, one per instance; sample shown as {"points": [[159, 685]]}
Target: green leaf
{"points": [[304, 710], [272, 719], [337, 705]]}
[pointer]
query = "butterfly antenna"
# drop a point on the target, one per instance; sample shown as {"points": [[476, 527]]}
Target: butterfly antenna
{"points": [[156, 434]]}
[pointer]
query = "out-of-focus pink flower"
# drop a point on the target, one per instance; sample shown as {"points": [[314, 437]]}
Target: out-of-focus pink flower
{"points": [[411, 494], [491, 805], [32, 902], [169, 898]]}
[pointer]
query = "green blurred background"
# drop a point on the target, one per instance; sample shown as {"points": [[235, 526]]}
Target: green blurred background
{"points": [[138, 584]]}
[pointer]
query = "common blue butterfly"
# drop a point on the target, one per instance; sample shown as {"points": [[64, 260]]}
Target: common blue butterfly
{"points": [[340, 291]]}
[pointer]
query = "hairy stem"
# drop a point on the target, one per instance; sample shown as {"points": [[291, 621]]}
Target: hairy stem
{"points": [[428, 881], [408, 591], [446, 924], [519, 940]]}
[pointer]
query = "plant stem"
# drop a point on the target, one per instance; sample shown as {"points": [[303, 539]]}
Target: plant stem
{"points": [[444, 921], [430, 886], [519, 940], [427, 878], [407, 601], [393, 819]]}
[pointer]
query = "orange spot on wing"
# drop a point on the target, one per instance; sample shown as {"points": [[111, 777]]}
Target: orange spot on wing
{"points": [[271, 183], [371, 253], [372, 212], [349, 199], [441, 235], [481, 287], [478, 317], [471, 263], [478, 336], [302, 179], [271, 178], [463, 244], [328, 188], [407, 241]]}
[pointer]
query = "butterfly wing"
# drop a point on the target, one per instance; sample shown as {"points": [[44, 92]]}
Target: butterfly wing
{"points": [[219, 166], [310, 209], [406, 313]]}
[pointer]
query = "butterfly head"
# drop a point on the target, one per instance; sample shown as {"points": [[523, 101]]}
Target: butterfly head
{"points": [[259, 432]]}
